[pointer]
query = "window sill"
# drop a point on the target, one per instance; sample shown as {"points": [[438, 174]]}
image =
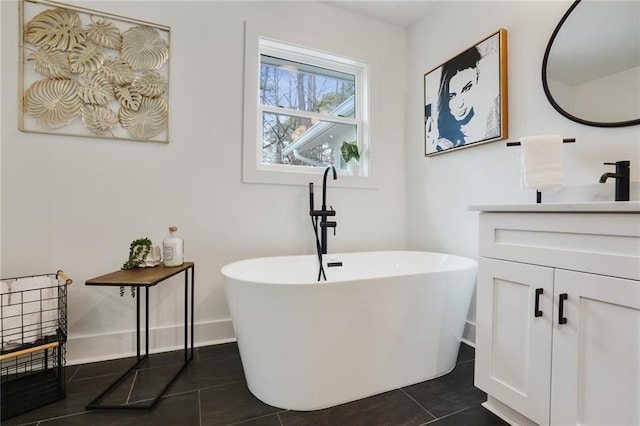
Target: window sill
{"points": [[299, 179]]}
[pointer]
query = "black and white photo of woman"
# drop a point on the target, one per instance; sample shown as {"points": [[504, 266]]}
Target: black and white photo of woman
{"points": [[467, 106]]}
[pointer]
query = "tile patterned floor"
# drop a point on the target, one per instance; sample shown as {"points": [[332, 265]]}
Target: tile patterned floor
{"points": [[213, 391]]}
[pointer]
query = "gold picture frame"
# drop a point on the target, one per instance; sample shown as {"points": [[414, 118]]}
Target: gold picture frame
{"points": [[465, 99], [92, 74]]}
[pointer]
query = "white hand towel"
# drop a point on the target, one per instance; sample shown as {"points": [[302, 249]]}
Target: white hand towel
{"points": [[541, 162], [10, 317], [5, 292], [50, 309], [30, 297]]}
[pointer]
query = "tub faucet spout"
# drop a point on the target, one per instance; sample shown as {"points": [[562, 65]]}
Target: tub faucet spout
{"points": [[324, 223], [324, 185], [622, 177]]}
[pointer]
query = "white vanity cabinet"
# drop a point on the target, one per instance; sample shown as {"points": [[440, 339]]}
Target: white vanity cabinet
{"points": [[558, 313]]}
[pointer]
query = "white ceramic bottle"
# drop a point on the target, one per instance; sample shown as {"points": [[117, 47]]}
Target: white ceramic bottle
{"points": [[173, 248]]}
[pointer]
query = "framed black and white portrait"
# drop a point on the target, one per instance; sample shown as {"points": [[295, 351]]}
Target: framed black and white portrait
{"points": [[465, 99]]}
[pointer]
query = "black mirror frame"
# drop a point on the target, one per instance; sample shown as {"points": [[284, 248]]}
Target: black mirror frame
{"points": [[547, 92]]}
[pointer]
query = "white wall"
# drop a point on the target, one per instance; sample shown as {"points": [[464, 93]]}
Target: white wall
{"points": [[440, 188], [577, 100], [628, 107], [1, 62], [76, 203]]}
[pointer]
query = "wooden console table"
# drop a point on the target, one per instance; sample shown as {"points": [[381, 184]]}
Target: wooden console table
{"points": [[145, 278]]}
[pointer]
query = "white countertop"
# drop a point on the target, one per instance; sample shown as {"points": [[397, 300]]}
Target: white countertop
{"points": [[582, 207]]}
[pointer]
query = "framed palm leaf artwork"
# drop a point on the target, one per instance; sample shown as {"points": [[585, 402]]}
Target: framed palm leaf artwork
{"points": [[92, 74]]}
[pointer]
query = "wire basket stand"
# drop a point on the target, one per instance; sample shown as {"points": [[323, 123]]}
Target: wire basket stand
{"points": [[33, 319]]}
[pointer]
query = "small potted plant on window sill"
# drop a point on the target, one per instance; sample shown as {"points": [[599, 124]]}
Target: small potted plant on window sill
{"points": [[351, 156]]}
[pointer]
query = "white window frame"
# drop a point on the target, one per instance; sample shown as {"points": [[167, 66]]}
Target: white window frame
{"points": [[254, 171]]}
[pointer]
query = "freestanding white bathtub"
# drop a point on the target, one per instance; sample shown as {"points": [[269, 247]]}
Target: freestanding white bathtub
{"points": [[383, 320]]}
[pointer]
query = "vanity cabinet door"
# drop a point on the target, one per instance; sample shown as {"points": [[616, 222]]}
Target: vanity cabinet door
{"points": [[513, 335], [596, 353]]}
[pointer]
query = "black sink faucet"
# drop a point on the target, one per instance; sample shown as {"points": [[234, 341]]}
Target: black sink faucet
{"points": [[622, 177]]}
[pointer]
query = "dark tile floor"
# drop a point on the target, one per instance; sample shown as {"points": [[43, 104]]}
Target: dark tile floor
{"points": [[212, 391]]}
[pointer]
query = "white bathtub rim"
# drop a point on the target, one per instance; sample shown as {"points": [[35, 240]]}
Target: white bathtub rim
{"points": [[232, 271]]}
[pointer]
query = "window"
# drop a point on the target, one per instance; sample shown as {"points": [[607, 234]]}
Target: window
{"points": [[308, 104]]}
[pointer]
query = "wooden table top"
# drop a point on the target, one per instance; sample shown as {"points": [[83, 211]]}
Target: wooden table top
{"points": [[139, 276]]}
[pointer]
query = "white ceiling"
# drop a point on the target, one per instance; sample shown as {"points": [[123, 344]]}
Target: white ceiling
{"points": [[613, 54], [401, 13]]}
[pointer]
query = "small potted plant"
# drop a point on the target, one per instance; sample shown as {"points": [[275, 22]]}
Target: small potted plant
{"points": [[142, 254], [351, 156]]}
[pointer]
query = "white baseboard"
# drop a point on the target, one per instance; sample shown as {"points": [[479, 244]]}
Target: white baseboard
{"points": [[101, 347], [506, 413], [468, 343], [469, 333]]}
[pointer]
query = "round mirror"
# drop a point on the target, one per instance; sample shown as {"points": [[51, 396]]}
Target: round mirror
{"points": [[591, 67]]}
